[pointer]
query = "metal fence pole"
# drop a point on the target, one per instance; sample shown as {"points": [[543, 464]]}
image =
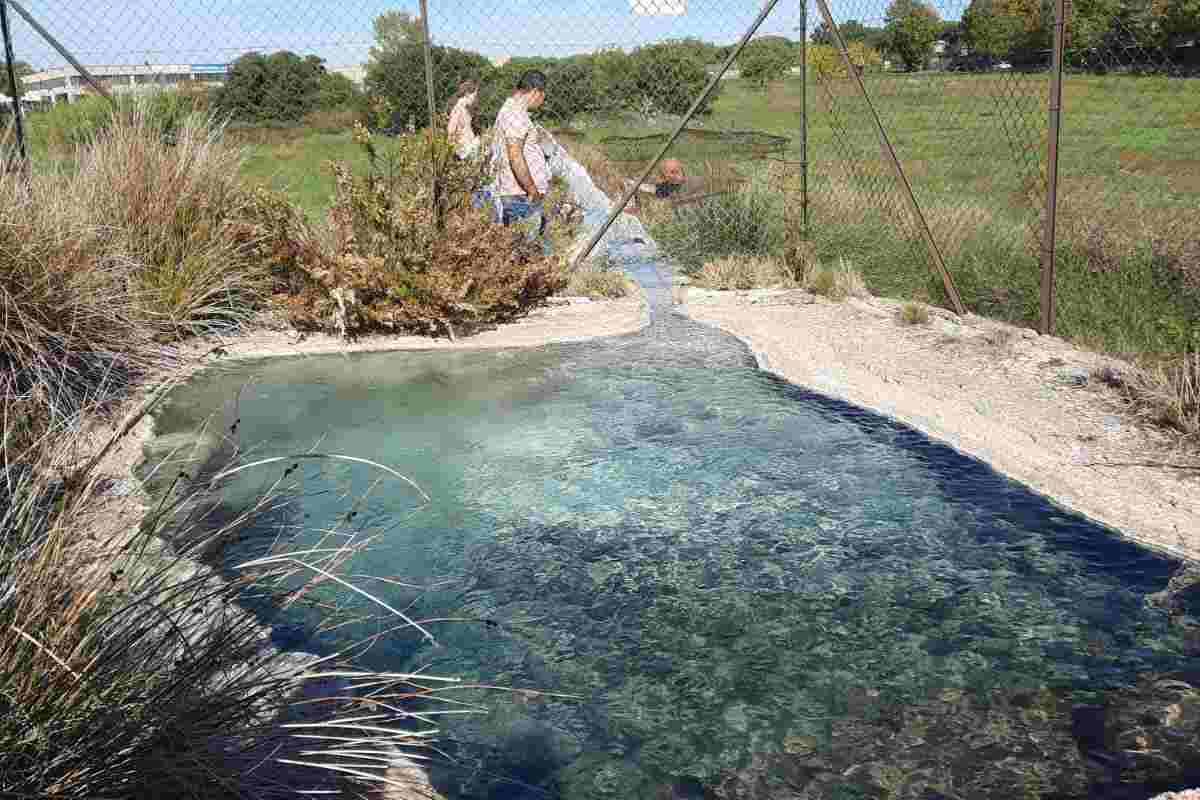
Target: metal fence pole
{"points": [[804, 118], [13, 88], [691, 112], [428, 45], [890, 153], [62, 51], [1051, 223]]}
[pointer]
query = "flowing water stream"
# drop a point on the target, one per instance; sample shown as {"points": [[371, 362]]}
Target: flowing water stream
{"points": [[751, 590]]}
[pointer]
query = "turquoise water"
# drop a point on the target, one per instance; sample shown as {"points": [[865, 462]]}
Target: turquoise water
{"points": [[744, 584]]}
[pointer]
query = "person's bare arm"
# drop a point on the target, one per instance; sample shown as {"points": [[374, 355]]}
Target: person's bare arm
{"points": [[520, 168]]}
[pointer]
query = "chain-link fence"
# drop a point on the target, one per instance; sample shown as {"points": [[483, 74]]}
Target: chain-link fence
{"points": [[911, 141]]}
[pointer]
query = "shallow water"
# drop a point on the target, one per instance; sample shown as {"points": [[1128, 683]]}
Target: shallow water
{"points": [[751, 590], [717, 562]]}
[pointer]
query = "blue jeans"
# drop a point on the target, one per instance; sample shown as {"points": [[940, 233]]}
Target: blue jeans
{"points": [[516, 209]]}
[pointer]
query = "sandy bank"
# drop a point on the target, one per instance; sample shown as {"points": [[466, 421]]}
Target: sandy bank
{"points": [[1021, 402]]}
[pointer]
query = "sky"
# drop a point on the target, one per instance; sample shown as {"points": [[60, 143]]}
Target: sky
{"points": [[218, 31]]}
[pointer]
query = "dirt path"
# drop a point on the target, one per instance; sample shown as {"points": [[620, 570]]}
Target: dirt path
{"points": [[1021, 402]]}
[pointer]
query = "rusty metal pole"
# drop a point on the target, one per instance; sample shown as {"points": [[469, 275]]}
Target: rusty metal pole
{"points": [[428, 45], [890, 155], [1050, 230], [708, 90], [63, 51], [13, 87], [804, 118]]}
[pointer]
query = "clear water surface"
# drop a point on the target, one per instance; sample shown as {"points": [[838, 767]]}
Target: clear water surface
{"points": [[727, 570]]}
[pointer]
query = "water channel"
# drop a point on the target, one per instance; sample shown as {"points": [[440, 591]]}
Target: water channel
{"points": [[752, 590]]}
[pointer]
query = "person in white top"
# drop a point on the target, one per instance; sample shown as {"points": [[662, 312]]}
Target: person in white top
{"points": [[459, 130], [519, 163]]}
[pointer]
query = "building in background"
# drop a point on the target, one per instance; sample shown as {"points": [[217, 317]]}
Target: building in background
{"points": [[66, 85]]}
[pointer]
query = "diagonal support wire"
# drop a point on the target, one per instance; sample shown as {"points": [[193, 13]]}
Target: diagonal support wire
{"points": [[708, 90], [886, 144], [62, 51]]}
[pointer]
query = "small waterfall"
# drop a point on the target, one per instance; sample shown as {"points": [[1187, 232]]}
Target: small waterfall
{"points": [[626, 238]]}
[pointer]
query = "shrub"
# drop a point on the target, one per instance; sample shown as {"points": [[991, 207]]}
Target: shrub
{"points": [[838, 283], [743, 272], [668, 78], [746, 223], [338, 92], [405, 259], [598, 280], [281, 87], [914, 314]]}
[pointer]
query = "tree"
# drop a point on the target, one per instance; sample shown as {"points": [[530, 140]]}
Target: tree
{"points": [[1181, 18], [1002, 28], [394, 30], [766, 60], [338, 91], [281, 87], [912, 27], [668, 78], [397, 77]]}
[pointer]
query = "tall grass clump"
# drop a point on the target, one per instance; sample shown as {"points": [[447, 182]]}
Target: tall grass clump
{"points": [[743, 272], [128, 670], [598, 279], [142, 243], [63, 127], [1165, 393], [747, 222]]}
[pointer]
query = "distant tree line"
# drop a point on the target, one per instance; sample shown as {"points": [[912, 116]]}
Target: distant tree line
{"points": [[1022, 30]]}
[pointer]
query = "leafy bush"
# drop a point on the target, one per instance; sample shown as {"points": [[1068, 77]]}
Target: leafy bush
{"points": [[281, 87], [396, 76], [668, 78], [742, 223], [338, 93]]}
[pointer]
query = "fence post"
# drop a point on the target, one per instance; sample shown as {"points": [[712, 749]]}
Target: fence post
{"points": [[62, 51], [691, 112], [804, 118], [435, 188], [9, 58], [890, 153], [1051, 223]]}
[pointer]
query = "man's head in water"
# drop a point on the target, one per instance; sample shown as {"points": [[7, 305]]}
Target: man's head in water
{"points": [[672, 172]]}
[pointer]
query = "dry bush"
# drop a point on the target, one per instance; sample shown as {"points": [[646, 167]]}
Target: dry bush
{"points": [[743, 272], [836, 283], [914, 314], [1166, 393], [408, 252]]}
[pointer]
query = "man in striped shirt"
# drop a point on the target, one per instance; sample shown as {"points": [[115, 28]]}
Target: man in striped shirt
{"points": [[522, 176]]}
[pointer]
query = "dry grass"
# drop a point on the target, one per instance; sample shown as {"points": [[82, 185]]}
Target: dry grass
{"points": [[598, 280], [837, 283], [743, 272], [914, 314], [99, 268], [1165, 394]]}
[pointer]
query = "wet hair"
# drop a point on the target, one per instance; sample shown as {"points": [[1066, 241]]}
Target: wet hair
{"points": [[465, 88], [531, 80]]}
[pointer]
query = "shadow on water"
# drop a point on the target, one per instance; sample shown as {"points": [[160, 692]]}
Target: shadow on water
{"points": [[755, 591]]}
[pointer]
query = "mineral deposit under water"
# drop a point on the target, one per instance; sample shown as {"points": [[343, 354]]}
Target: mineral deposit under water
{"points": [[721, 565]]}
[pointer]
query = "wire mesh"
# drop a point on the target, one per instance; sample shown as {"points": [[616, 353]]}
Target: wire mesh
{"points": [[961, 88]]}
